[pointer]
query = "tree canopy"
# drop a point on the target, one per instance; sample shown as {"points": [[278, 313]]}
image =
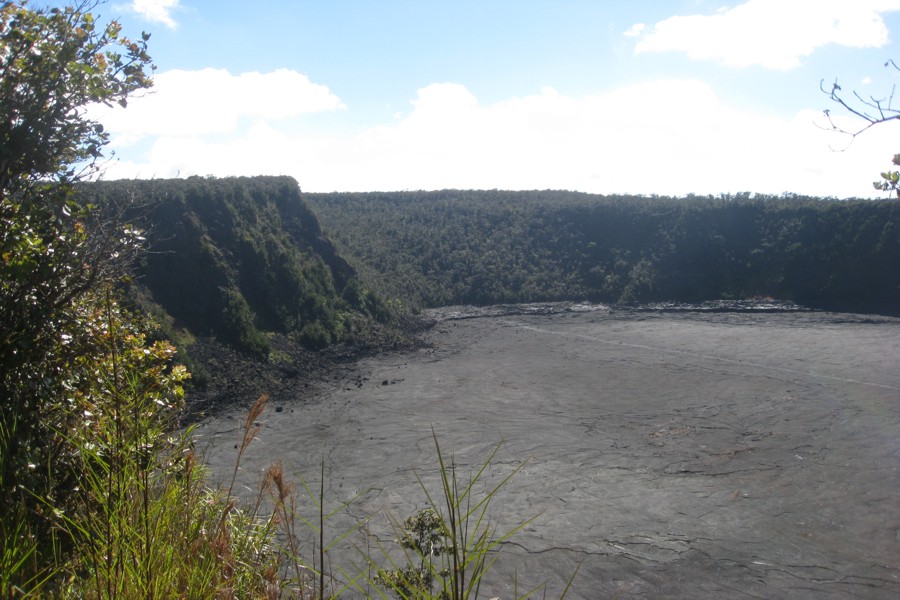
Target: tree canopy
{"points": [[488, 247], [53, 63]]}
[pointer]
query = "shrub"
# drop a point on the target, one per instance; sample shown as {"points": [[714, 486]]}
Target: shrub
{"points": [[451, 545]]}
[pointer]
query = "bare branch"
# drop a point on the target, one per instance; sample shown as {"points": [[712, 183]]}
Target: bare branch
{"points": [[872, 111]]}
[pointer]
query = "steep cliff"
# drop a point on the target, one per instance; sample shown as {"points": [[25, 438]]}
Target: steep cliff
{"points": [[239, 259]]}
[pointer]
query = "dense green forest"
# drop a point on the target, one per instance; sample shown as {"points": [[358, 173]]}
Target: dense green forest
{"points": [[238, 258], [482, 247], [241, 258]]}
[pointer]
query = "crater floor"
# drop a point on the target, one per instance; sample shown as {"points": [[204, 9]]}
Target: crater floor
{"points": [[671, 454]]}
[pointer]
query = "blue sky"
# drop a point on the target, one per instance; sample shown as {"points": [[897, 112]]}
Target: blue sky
{"points": [[665, 97]]}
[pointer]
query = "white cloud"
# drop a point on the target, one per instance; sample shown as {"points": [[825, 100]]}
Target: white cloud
{"points": [[635, 30], [213, 101], [774, 34], [157, 11], [667, 137]]}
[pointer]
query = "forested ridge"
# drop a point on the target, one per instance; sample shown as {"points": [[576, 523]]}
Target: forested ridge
{"points": [[238, 258], [242, 258], [483, 247]]}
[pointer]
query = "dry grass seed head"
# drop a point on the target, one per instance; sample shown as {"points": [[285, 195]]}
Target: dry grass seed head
{"points": [[276, 475], [251, 427]]}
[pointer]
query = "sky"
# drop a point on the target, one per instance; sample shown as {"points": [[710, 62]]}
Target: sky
{"points": [[652, 97]]}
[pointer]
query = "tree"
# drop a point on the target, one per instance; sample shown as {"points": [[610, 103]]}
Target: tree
{"points": [[873, 111], [59, 261], [54, 63]]}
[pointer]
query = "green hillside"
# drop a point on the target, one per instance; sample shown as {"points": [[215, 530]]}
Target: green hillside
{"points": [[485, 247], [239, 258]]}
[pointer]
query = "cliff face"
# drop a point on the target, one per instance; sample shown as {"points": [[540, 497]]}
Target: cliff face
{"points": [[239, 257]]}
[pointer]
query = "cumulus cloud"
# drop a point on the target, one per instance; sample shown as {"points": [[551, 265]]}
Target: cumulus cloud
{"points": [[635, 30], [770, 33], [213, 101], [157, 11], [618, 141]]}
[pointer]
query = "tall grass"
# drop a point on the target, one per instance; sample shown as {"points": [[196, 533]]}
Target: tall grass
{"points": [[21, 570], [134, 515], [146, 525], [451, 546], [150, 526]]}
